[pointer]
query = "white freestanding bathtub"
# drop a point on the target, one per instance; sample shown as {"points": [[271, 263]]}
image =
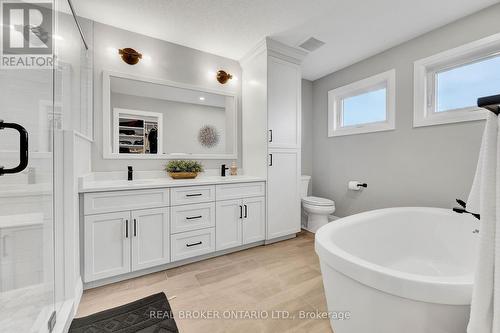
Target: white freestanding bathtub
{"points": [[398, 270]]}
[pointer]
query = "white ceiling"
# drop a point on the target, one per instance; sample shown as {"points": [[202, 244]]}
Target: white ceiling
{"points": [[352, 29]]}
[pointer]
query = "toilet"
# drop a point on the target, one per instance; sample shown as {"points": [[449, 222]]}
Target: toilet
{"points": [[317, 209]]}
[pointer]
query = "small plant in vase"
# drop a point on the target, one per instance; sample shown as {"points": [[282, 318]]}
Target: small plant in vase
{"points": [[180, 169]]}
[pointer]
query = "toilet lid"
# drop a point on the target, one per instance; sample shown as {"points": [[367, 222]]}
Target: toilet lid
{"points": [[318, 201]]}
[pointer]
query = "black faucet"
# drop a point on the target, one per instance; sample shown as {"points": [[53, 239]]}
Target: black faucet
{"points": [[223, 169], [130, 173]]}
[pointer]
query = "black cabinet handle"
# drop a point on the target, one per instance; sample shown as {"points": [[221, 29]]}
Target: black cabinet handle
{"points": [[193, 195], [270, 159], [135, 227], [23, 148], [246, 211], [241, 212], [194, 217], [194, 244], [270, 135], [126, 228]]}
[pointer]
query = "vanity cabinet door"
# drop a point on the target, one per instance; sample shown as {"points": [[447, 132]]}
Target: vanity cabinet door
{"points": [[150, 235], [107, 245], [284, 88], [254, 220], [283, 197], [229, 215]]}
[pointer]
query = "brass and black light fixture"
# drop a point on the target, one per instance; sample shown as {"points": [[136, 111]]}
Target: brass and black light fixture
{"points": [[130, 56], [223, 76]]}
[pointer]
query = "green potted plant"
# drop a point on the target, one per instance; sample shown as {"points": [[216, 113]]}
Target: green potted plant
{"points": [[183, 169]]}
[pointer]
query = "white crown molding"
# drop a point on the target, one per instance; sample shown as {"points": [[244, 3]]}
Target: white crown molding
{"points": [[275, 49]]}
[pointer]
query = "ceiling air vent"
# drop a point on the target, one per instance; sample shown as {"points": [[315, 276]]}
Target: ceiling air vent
{"points": [[312, 44]]}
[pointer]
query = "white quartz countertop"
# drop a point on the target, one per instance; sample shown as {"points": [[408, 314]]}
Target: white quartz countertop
{"points": [[93, 185]]}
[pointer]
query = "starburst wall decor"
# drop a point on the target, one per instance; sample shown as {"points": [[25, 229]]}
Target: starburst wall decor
{"points": [[208, 136]]}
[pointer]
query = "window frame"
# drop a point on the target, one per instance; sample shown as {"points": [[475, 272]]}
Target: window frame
{"points": [[336, 97], [425, 82]]}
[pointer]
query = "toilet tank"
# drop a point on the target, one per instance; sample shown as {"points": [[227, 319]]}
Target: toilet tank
{"points": [[304, 185]]}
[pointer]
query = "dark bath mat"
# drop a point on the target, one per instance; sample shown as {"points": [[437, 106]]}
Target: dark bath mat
{"points": [[151, 314]]}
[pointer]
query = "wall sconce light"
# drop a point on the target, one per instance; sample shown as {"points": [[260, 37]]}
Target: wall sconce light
{"points": [[130, 56], [223, 77]]}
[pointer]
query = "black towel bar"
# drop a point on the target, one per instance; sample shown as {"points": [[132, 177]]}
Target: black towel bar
{"points": [[491, 103], [462, 209]]}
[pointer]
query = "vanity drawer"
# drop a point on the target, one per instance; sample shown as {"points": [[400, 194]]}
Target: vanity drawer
{"points": [[242, 190], [192, 194], [192, 217], [192, 243], [115, 201]]}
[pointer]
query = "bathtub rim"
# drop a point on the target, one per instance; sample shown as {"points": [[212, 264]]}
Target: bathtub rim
{"points": [[449, 290]]}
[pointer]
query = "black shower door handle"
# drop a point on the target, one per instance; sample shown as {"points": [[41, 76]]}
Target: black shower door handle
{"points": [[23, 148]]}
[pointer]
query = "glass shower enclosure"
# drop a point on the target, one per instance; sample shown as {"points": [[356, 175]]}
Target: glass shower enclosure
{"points": [[37, 97]]}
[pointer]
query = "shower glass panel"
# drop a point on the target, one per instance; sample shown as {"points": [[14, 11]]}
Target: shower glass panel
{"points": [[27, 289], [45, 88]]}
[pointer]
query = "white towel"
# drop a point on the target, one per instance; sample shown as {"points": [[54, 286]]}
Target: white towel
{"points": [[483, 198]]}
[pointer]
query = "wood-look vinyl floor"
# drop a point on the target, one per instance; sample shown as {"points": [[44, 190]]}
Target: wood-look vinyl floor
{"points": [[284, 276]]}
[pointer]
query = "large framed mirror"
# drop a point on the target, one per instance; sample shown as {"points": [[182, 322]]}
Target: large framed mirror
{"points": [[146, 118]]}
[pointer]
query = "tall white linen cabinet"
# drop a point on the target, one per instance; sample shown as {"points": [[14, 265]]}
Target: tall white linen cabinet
{"points": [[271, 130]]}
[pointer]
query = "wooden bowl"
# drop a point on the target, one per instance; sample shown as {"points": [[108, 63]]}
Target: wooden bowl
{"points": [[183, 175]]}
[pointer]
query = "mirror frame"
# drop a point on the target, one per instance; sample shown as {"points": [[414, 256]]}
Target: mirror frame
{"points": [[107, 142]]}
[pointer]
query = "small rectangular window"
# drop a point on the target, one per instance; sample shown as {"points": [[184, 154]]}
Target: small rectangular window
{"points": [[459, 87], [363, 106], [447, 85]]}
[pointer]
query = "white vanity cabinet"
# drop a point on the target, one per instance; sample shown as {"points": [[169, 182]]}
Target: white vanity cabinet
{"points": [[284, 90], [150, 237], [123, 242], [107, 245], [283, 189], [271, 103], [131, 232], [254, 217], [229, 215], [240, 221], [125, 231]]}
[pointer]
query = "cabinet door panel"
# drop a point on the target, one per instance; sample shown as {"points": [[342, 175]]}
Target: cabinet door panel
{"points": [[283, 104], [107, 245], [150, 238], [283, 194], [228, 224], [254, 222]]}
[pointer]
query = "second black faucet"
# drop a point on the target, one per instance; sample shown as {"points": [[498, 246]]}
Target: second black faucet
{"points": [[223, 169]]}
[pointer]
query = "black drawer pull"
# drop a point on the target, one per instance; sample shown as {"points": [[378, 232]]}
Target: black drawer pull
{"points": [[246, 211], [193, 195], [241, 212], [194, 244], [194, 217], [126, 228]]}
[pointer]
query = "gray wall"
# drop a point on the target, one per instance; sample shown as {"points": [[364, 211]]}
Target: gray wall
{"points": [[307, 127], [427, 166], [167, 61]]}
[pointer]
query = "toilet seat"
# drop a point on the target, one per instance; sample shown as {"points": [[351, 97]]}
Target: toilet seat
{"points": [[317, 201]]}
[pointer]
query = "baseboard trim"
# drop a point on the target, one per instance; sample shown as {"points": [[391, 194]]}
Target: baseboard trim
{"points": [[279, 239], [331, 218], [102, 282]]}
